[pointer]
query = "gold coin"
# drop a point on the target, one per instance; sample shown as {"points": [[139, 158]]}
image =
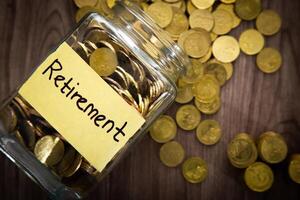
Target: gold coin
{"points": [[194, 170], [248, 9], [8, 119], [84, 11], [203, 4], [228, 1], [294, 168], [161, 13], [184, 94], [218, 71], [223, 22], [194, 72], [213, 36], [201, 19], [66, 161], [242, 151], [206, 57], [230, 8], [49, 150], [163, 129], [268, 22], [83, 3], [171, 154], [209, 132], [259, 177], [206, 89], [104, 61], [178, 25], [228, 67], [196, 43], [28, 132], [190, 7], [209, 108], [251, 42], [19, 137], [272, 148], [188, 117], [226, 49], [269, 60], [75, 165]]}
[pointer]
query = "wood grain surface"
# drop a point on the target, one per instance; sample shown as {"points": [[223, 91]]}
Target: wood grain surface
{"points": [[251, 102]]}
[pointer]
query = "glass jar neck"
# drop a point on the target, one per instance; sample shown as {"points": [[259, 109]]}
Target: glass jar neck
{"points": [[148, 41]]}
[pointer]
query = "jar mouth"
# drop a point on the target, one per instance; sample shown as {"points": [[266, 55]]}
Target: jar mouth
{"points": [[148, 40]]}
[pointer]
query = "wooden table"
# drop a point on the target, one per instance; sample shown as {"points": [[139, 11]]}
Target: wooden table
{"points": [[251, 102]]}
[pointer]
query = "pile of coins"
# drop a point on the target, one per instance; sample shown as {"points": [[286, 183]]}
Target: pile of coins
{"points": [[271, 148]]}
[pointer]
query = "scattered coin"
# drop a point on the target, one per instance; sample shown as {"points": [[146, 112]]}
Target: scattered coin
{"points": [[171, 154], [251, 42], [194, 72], [294, 168], [248, 9], [200, 4], [104, 61], [209, 108], [202, 19], [230, 8], [242, 151], [268, 22], [259, 177], [188, 117], [163, 129], [206, 89], [226, 49], [218, 71], [162, 13], [272, 148], [223, 22], [184, 94], [194, 170], [269, 60], [178, 25], [209, 132]]}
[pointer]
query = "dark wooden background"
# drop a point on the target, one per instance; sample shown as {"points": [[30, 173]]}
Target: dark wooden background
{"points": [[252, 102]]}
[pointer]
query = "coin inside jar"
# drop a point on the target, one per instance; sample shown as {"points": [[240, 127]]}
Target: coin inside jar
{"points": [[8, 119], [194, 170], [171, 154], [104, 61], [259, 177], [188, 117], [209, 132], [163, 129], [49, 150]]}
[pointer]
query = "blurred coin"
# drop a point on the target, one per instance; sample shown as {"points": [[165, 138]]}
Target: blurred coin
{"points": [[294, 168], [188, 117], [83, 3], [178, 25], [218, 71], [230, 8], [226, 49], [251, 42], [194, 72], [248, 9], [190, 7], [259, 177], [206, 89], [201, 19], [184, 94], [74, 167], [161, 13], [209, 132], [194, 170], [269, 60], [228, 67], [28, 133], [104, 61], [163, 129], [223, 22], [268, 22], [228, 1], [171, 154], [49, 150], [209, 108], [203, 4], [83, 11], [8, 119], [66, 161], [206, 57], [19, 137], [272, 147], [242, 151]]}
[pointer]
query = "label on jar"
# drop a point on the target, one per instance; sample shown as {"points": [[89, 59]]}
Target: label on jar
{"points": [[81, 106]]}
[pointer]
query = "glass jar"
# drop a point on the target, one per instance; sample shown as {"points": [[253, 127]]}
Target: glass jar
{"points": [[37, 119]]}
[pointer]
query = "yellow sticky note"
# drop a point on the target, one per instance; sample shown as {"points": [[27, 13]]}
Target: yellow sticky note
{"points": [[81, 106]]}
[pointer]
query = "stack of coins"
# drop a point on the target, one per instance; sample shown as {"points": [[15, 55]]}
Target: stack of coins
{"points": [[271, 147]]}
